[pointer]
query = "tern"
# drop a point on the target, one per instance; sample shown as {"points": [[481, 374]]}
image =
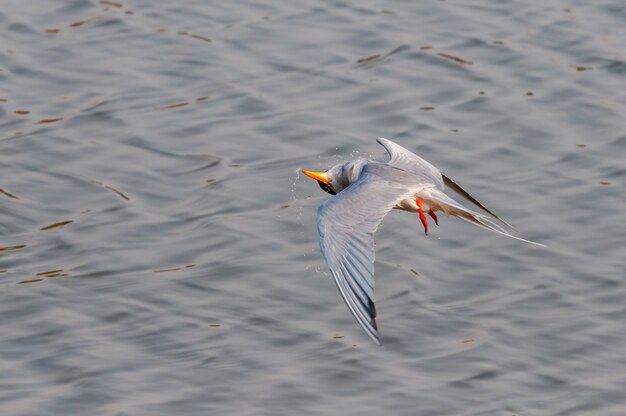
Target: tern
{"points": [[365, 192]]}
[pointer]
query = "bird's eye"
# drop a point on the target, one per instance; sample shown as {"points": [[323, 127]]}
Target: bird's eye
{"points": [[326, 188]]}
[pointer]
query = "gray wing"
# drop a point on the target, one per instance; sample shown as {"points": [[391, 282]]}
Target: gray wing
{"points": [[410, 162], [346, 224]]}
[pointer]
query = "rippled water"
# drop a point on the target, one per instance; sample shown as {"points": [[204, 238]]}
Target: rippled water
{"points": [[158, 252]]}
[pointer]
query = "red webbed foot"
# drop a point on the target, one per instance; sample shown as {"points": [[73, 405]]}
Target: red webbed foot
{"points": [[422, 216], [433, 216]]}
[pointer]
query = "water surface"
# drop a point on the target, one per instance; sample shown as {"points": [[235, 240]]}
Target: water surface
{"points": [[158, 252]]}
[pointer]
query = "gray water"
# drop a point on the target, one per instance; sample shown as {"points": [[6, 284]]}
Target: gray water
{"points": [[189, 280]]}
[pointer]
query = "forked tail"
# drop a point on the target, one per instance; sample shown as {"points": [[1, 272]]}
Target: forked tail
{"points": [[439, 200]]}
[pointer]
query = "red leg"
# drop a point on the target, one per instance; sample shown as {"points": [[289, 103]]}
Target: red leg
{"points": [[422, 216], [433, 216]]}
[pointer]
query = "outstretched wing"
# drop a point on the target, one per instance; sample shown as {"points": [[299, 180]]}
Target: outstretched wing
{"points": [[346, 224], [410, 162]]}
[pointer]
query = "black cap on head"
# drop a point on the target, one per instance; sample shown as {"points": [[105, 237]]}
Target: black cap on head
{"points": [[326, 188]]}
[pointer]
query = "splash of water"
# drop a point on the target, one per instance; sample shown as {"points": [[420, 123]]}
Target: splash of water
{"points": [[297, 202]]}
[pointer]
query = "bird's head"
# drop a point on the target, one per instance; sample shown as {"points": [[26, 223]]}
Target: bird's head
{"points": [[323, 180], [338, 177]]}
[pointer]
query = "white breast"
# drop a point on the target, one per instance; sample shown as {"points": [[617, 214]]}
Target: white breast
{"points": [[409, 204]]}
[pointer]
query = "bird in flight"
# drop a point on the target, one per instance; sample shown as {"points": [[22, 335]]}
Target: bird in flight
{"points": [[365, 192]]}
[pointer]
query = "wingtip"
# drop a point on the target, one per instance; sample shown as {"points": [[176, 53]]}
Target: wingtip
{"points": [[375, 337], [373, 332]]}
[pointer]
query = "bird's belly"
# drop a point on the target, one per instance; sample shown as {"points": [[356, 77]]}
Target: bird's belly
{"points": [[409, 204]]}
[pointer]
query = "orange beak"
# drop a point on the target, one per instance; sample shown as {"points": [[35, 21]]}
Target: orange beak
{"points": [[318, 176]]}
